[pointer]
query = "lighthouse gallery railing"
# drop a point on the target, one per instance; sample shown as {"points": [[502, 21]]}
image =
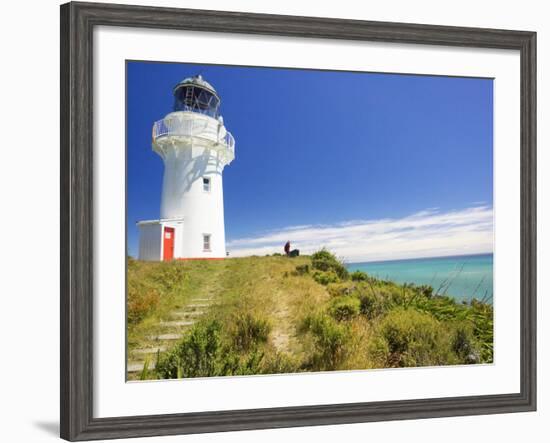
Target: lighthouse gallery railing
{"points": [[193, 128]]}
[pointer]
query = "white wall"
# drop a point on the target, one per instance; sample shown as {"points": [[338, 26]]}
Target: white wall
{"points": [[186, 163], [150, 241], [29, 328]]}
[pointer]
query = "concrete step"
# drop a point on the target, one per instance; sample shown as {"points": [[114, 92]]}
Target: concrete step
{"points": [[179, 323], [161, 337], [185, 313], [137, 366], [146, 351]]}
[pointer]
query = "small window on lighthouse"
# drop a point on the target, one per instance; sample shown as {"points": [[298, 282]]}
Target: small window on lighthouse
{"points": [[206, 184], [206, 242]]}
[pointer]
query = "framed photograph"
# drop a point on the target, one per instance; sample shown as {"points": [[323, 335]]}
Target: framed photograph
{"points": [[273, 221]]}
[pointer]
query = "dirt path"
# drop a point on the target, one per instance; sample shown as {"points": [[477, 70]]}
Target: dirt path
{"points": [[294, 297], [283, 328]]}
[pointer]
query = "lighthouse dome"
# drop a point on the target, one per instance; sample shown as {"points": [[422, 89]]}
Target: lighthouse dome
{"points": [[195, 94], [196, 80]]}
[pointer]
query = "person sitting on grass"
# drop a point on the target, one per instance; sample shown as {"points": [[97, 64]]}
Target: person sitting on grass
{"points": [[289, 253]]}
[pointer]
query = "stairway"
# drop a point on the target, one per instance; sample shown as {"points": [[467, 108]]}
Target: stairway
{"points": [[169, 332]]}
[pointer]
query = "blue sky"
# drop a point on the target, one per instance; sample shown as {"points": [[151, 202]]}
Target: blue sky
{"points": [[372, 166]]}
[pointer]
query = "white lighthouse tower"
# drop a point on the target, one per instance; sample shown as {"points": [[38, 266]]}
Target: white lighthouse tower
{"points": [[195, 147]]}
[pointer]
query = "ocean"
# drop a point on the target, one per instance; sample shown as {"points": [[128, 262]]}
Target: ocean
{"points": [[470, 276]]}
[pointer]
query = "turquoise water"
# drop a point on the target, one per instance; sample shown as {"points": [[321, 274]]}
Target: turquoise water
{"points": [[470, 276]]}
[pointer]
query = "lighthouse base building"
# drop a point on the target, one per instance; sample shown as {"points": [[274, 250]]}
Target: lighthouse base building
{"points": [[195, 147], [157, 239]]}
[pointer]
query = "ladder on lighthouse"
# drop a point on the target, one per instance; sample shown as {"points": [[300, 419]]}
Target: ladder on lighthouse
{"points": [[189, 97]]}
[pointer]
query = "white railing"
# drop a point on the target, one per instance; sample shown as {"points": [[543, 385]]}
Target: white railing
{"points": [[191, 127]]}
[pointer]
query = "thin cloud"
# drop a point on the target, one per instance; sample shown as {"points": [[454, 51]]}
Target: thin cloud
{"points": [[427, 233]]}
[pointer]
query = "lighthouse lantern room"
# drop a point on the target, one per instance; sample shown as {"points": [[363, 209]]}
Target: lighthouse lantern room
{"points": [[195, 146]]}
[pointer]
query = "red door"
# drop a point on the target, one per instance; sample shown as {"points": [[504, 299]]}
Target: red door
{"points": [[168, 244]]}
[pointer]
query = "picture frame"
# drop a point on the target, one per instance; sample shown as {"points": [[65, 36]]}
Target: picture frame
{"points": [[78, 21]]}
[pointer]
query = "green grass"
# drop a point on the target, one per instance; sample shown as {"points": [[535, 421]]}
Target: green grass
{"points": [[278, 315]]}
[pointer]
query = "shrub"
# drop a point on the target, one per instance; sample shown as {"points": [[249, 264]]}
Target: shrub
{"points": [[406, 337], [425, 290], [340, 288], [196, 355], [279, 363], [395, 295], [481, 315], [441, 307], [302, 269], [323, 260], [257, 361], [373, 305], [324, 278], [235, 363], [204, 352], [464, 346], [345, 308], [141, 301], [249, 331], [330, 341], [359, 276]]}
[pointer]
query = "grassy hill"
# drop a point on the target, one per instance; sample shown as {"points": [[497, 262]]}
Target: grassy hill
{"points": [[277, 315]]}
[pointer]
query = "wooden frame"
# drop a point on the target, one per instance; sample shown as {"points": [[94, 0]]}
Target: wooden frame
{"points": [[77, 23]]}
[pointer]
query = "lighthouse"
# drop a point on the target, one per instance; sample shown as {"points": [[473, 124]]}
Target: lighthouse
{"points": [[195, 147]]}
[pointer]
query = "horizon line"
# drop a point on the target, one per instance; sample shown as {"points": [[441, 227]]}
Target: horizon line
{"points": [[417, 258]]}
